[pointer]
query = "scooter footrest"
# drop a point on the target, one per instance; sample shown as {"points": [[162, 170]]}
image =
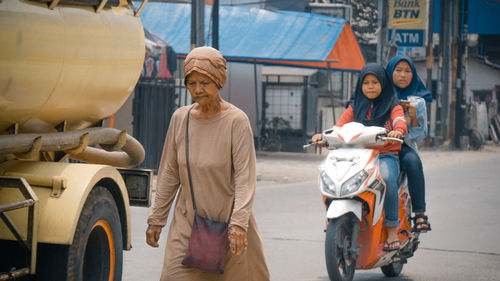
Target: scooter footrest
{"points": [[399, 258]]}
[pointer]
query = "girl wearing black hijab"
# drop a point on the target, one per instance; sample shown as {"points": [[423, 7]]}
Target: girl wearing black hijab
{"points": [[374, 103]]}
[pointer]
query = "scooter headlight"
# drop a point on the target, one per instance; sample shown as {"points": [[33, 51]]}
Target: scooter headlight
{"points": [[353, 184], [328, 184]]}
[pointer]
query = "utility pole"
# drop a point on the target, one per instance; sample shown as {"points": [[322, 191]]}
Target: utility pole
{"points": [[381, 31], [454, 55], [215, 24], [430, 63], [462, 54], [444, 64], [430, 46], [197, 23]]}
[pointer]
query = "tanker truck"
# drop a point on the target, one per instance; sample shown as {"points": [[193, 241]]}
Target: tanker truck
{"points": [[66, 181]]}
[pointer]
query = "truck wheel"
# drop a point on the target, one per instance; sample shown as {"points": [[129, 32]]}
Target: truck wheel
{"points": [[96, 253], [339, 264]]}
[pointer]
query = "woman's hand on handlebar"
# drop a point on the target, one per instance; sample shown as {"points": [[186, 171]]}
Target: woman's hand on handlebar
{"points": [[394, 134], [316, 139]]}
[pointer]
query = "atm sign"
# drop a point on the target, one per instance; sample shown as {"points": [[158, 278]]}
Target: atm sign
{"points": [[408, 37]]}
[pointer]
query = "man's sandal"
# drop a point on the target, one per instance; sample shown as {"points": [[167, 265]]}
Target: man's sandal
{"points": [[388, 247], [421, 226]]}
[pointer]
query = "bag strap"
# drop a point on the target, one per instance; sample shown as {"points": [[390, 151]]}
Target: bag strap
{"points": [[187, 159], [189, 168]]}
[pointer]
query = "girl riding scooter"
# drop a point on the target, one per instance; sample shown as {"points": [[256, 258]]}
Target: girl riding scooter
{"points": [[375, 104]]}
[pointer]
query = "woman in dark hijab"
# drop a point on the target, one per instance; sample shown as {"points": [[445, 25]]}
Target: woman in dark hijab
{"points": [[381, 106], [414, 96], [374, 103], [415, 86]]}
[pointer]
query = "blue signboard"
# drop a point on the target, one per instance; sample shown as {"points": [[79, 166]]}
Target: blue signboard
{"points": [[408, 37]]}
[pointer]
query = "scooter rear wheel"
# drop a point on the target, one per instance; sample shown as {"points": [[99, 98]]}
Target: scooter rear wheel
{"points": [[393, 269], [339, 264]]}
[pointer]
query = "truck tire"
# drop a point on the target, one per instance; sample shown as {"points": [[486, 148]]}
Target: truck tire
{"points": [[97, 250]]}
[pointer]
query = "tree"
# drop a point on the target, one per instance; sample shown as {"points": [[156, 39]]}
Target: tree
{"points": [[364, 25]]}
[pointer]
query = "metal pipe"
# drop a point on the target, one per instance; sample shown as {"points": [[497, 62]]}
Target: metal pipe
{"points": [[14, 274], [16, 205], [109, 139], [139, 11], [133, 154], [23, 143], [101, 6]]}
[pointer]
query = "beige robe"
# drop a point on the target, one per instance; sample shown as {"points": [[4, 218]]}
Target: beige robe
{"points": [[222, 161]]}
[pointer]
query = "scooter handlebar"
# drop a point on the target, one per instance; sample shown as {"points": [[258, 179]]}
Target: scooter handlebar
{"points": [[389, 138], [310, 143]]}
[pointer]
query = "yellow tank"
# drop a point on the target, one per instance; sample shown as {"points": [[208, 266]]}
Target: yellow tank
{"points": [[75, 65], [66, 64]]}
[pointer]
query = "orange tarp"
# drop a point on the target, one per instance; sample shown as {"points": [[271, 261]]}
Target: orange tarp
{"points": [[346, 54]]}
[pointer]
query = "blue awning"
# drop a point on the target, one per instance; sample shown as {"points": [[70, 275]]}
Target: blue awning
{"points": [[264, 36]]}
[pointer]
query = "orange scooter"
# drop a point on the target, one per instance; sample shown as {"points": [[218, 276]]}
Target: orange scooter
{"points": [[353, 192]]}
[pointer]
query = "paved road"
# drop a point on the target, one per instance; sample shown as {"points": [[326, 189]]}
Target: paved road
{"points": [[462, 197]]}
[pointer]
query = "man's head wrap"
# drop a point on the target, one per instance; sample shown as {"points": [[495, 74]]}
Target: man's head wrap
{"points": [[207, 61]]}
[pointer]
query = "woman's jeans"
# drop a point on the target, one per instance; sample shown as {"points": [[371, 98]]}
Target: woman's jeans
{"points": [[389, 171], [412, 165]]}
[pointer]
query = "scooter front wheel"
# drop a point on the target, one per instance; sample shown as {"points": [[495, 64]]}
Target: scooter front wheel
{"points": [[339, 263]]}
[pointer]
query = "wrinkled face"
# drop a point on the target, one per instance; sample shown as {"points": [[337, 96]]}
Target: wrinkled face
{"points": [[371, 87], [202, 89], [402, 74]]}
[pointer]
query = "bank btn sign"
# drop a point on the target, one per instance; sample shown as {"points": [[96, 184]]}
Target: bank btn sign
{"points": [[407, 22]]}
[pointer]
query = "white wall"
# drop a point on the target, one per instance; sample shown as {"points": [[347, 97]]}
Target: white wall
{"points": [[420, 66], [240, 90], [480, 77]]}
